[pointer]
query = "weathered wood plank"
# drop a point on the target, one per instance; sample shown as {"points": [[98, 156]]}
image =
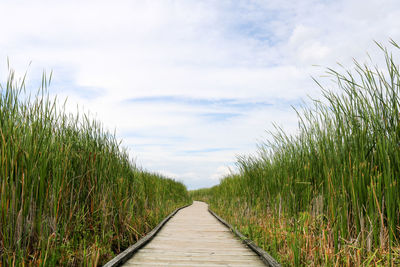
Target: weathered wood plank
{"points": [[193, 237]]}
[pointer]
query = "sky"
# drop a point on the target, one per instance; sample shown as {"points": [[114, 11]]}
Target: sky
{"points": [[188, 86]]}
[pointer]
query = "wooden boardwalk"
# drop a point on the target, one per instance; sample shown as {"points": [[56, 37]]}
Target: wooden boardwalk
{"points": [[193, 237]]}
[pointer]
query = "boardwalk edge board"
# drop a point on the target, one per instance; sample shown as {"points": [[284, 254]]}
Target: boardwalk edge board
{"points": [[127, 253], [266, 258]]}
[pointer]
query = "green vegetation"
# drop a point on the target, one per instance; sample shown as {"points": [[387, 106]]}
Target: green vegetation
{"points": [[69, 195], [329, 195]]}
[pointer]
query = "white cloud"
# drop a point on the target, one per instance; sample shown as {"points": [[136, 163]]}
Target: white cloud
{"points": [[222, 171], [104, 53]]}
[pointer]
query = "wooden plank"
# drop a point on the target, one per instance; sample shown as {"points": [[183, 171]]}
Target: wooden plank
{"points": [[193, 264], [188, 261], [196, 252], [191, 257], [193, 237]]}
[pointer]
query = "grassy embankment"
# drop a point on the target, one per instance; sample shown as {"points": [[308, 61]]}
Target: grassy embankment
{"points": [[331, 194], [69, 195]]}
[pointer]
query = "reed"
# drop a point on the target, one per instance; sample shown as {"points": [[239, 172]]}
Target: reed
{"points": [[330, 194], [69, 195]]}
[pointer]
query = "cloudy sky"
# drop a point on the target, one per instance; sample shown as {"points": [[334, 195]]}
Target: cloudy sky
{"points": [[189, 85]]}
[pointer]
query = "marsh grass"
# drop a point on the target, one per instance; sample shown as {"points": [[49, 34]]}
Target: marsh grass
{"points": [[331, 194], [69, 195]]}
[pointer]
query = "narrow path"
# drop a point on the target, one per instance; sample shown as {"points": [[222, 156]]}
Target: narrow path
{"points": [[193, 237]]}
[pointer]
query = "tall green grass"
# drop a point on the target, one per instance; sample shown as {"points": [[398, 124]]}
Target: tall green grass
{"points": [[69, 195], [331, 194]]}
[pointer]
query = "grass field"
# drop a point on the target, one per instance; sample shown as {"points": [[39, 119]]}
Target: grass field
{"points": [[69, 195], [330, 195]]}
